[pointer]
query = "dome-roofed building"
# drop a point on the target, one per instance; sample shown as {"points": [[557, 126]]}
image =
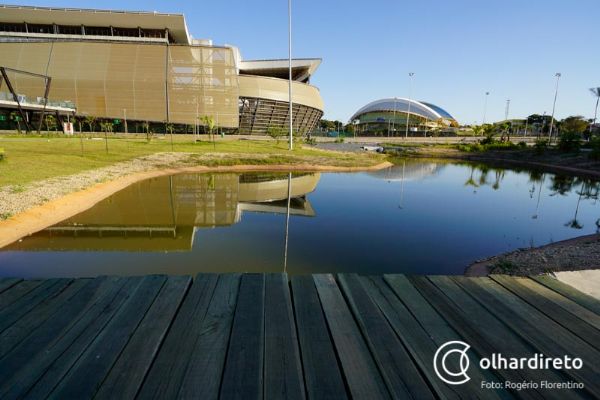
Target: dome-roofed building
{"points": [[390, 117]]}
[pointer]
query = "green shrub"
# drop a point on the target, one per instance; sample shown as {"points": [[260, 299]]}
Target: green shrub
{"points": [[310, 140], [339, 139], [471, 147], [540, 145], [522, 145], [500, 146], [569, 141], [595, 146], [1, 154]]}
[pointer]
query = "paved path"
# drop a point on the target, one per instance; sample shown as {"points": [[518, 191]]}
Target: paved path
{"points": [[264, 336]]}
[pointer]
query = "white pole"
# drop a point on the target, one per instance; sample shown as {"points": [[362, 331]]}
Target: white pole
{"points": [[485, 107], [557, 75], [410, 75], [290, 70]]}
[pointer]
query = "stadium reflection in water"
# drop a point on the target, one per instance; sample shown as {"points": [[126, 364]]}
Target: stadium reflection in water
{"points": [[420, 216]]}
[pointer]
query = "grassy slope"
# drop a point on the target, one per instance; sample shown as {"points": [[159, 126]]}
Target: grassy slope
{"points": [[30, 159]]}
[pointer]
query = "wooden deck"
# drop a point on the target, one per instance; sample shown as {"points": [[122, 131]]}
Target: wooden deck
{"points": [[264, 336]]}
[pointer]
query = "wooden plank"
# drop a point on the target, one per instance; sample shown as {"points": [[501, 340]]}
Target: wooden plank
{"points": [[127, 374], [7, 283], [283, 369], [21, 329], [17, 291], [321, 369], [397, 368], [421, 346], [169, 367], [204, 372], [482, 331], [436, 326], [243, 375], [540, 297], [63, 341], [29, 301], [360, 370], [85, 377], [541, 332], [59, 357], [579, 311], [583, 299]]}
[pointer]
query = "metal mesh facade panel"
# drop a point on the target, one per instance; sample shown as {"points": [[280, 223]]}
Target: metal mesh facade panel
{"points": [[111, 80], [202, 81]]}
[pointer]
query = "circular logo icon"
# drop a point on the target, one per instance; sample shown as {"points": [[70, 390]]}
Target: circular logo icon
{"points": [[451, 362]]}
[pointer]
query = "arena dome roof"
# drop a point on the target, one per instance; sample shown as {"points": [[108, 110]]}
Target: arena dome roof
{"points": [[399, 104]]}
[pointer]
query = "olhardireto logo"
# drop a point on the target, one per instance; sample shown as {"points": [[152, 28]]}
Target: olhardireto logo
{"points": [[451, 364]]}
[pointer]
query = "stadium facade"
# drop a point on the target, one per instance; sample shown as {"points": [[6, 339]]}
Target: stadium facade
{"points": [[389, 117], [145, 66]]}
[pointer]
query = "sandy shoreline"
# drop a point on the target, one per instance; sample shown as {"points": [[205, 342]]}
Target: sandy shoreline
{"points": [[42, 216]]}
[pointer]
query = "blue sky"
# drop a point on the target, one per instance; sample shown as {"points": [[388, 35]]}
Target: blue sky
{"points": [[458, 50]]}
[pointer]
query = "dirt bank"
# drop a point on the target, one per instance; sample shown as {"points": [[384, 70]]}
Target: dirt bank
{"points": [[581, 253], [48, 202]]}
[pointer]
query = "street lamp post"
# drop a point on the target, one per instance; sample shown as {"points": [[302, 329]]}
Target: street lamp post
{"points": [[290, 70], [485, 107], [410, 75], [557, 75]]}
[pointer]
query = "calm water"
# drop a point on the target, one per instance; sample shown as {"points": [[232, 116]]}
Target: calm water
{"points": [[418, 217]]}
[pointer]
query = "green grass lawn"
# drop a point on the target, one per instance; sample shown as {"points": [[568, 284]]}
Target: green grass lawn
{"points": [[28, 159]]}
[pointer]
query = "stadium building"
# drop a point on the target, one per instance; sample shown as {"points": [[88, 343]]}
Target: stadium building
{"points": [[145, 67], [389, 117]]}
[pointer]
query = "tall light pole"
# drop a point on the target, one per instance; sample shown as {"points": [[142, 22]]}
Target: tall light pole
{"points": [[410, 75], [557, 75], [485, 107], [290, 71]]}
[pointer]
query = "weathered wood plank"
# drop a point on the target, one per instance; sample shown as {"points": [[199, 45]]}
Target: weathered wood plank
{"points": [[394, 294], [22, 328], [579, 311], [283, 369], [539, 331], [539, 297], [397, 368], [28, 302], [49, 352], [360, 370], [15, 292], [320, 366], [7, 283], [482, 331], [92, 367], [436, 326], [169, 367], [585, 300], [243, 375], [202, 378], [127, 374]]}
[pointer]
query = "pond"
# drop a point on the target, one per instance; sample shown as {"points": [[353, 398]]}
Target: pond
{"points": [[418, 217]]}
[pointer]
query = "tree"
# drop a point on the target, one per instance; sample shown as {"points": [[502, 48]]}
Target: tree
{"points": [[209, 122], [17, 118], [596, 93], [574, 124], [90, 121], [477, 130], [571, 130], [276, 132], [50, 122]]}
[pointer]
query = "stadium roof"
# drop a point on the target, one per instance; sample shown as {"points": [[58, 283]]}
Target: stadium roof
{"points": [[400, 104], [175, 23]]}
